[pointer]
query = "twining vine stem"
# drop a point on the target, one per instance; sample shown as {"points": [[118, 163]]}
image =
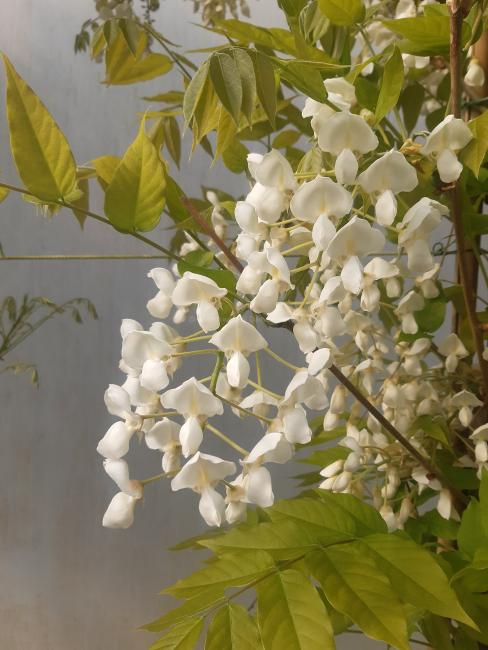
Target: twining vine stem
{"points": [[456, 21]]}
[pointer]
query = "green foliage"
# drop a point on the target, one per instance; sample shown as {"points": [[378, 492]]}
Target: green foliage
{"points": [[379, 581], [41, 152], [232, 628], [135, 197], [291, 613], [342, 12], [391, 84]]}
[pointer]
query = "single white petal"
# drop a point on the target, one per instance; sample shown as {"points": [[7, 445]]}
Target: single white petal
{"points": [[193, 288], [115, 443], [386, 208], [138, 347], [390, 172], [296, 427], [319, 360], [238, 335], [191, 436], [163, 435], [448, 166], [163, 279], [259, 487], [323, 232], [352, 275], [346, 167], [269, 202], [207, 316], [120, 512], [266, 298], [117, 401], [129, 325], [159, 306], [191, 399], [274, 170], [153, 375], [272, 448], [212, 507], [346, 131], [238, 370]]}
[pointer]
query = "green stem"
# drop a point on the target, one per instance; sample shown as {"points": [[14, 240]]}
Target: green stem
{"points": [[226, 439]]}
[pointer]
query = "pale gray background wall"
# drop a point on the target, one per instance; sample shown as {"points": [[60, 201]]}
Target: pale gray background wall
{"points": [[65, 581]]}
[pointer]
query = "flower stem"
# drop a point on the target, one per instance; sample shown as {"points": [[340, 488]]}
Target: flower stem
{"points": [[226, 439]]}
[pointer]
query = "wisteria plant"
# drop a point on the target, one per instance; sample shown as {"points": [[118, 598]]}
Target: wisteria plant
{"points": [[362, 132]]}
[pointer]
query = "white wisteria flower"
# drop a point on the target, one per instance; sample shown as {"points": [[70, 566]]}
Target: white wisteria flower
{"points": [[195, 289], [196, 403], [238, 339], [161, 304], [386, 177], [354, 240], [201, 474], [446, 140]]}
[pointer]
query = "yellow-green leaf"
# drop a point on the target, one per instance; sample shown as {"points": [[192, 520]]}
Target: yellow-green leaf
{"points": [[414, 574], [135, 196], [229, 570], [41, 152], [391, 85], [183, 636], [265, 85], [292, 615], [342, 12], [123, 67], [474, 154], [194, 92], [105, 167], [227, 83], [232, 629], [3, 193], [355, 586]]}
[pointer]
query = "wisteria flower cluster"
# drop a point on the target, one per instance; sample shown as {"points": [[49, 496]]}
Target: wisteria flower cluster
{"points": [[365, 271]]}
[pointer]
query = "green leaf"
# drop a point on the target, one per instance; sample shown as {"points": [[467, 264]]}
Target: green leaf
{"points": [[475, 575], [40, 150], [3, 193], [197, 605], [343, 12], [414, 575], [411, 101], [434, 524], [474, 153], [194, 92], [354, 585], [248, 81], [123, 67], [172, 138], [424, 35], [291, 614], [232, 629], [183, 636], [235, 157], [170, 97], [472, 535], [265, 85], [105, 167], [281, 539], [391, 85], [305, 77], [286, 138], [432, 427], [330, 519], [135, 196], [432, 316], [225, 571], [227, 83]]}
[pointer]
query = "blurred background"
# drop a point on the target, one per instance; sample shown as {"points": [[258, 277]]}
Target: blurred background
{"points": [[66, 581]]}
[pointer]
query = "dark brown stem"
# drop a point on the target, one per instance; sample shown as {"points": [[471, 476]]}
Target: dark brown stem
{"points": [[465, 272], [208, 229]]}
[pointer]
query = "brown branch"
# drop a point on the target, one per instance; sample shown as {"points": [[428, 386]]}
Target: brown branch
{"points": [[465, 272], [209, 230]]}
